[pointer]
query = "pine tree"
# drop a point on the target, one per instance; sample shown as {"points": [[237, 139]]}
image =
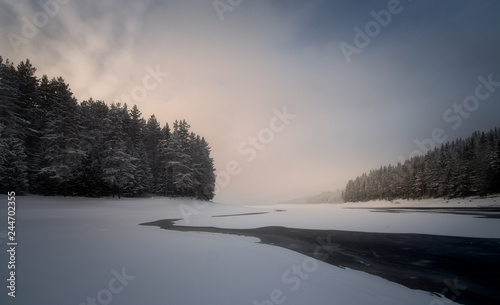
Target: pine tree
{"points": [[179, 154], [203, 168], [493, 162], [165, 175], [61, 140], [90, 149], [13, 176], [118, 165], [29, 101], [152, 137], [465, 167], [136, 148], [89, 179]]}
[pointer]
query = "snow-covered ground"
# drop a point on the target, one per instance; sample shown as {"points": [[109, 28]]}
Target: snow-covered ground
{"points": [[362, 217], [80, 250], [472, 202]]}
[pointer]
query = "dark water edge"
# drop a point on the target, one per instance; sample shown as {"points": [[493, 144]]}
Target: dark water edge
{"points": [[465, 270]]}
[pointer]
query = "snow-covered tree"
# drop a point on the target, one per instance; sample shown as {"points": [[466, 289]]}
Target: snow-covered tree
{"points": [[164, 181], [118, 165], [203, 168], [465, 167], [33, 114], [61, 140], [13, 176], [136, 147], [179, 154], [53, 145], [152, 137], [88, 180]]}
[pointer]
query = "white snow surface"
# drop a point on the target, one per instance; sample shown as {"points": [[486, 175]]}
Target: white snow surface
{"points": [[362, 217], [68, 248]]}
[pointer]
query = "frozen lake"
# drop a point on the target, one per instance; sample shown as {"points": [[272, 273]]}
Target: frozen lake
{"points": [[79, 250]]}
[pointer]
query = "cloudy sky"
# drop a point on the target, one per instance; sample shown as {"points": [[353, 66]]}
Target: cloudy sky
{"points": [[295, 97]]}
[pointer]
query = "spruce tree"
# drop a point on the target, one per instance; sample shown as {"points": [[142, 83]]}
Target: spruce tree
{"points": [[90, 149], [164, 181], [61, 140], [13, 176], [179, 154], [118, 165], [152, 137]]}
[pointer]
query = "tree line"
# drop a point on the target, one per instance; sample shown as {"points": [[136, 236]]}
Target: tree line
{"points": [[462, 168], [324, 197], [52, 145]]}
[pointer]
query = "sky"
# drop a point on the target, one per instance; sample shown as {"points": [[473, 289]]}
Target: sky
{"points": [[294, 97]]}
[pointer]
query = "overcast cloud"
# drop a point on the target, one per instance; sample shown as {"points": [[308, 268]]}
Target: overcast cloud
{"points": [[228, 77]]}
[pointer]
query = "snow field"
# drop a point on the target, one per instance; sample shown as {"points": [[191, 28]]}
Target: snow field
{"points": [[351, 217], [70, 249]]}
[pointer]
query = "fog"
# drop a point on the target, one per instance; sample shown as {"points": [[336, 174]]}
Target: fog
{"points": [[228, 70]]}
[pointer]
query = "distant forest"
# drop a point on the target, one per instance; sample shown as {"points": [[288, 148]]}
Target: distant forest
{"points": [[462, 168], [52, 145], [325, 197]]}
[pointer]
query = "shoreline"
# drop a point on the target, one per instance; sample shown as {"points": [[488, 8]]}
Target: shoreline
{"points": [[491, 201], [481, 212]]}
